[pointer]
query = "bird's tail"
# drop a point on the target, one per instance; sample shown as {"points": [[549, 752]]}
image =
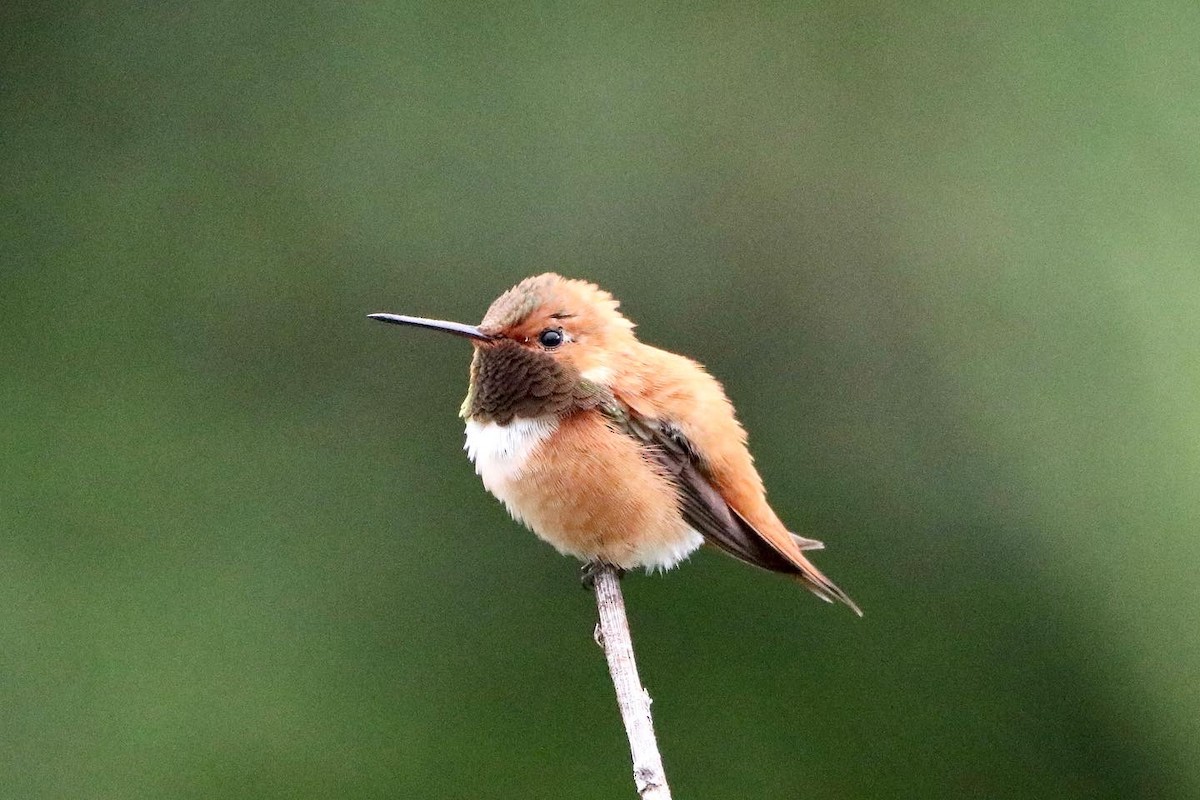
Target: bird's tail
{"points": [[815, 581], [771, 546]]}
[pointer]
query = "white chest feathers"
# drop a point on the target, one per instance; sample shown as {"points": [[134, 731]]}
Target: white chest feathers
{"points": [[500, 452]]}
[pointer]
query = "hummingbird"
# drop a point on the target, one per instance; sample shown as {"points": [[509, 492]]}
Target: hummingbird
{"points": [[611, 450]]}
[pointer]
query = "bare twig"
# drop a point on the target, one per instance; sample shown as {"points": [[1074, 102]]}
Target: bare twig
{"points": [[612, 634]]}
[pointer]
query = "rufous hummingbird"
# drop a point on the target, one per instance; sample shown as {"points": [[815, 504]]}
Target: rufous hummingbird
{"points": [[611, 450]]}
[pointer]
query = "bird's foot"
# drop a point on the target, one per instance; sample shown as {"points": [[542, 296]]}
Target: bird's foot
{"points": [[588, 572]]}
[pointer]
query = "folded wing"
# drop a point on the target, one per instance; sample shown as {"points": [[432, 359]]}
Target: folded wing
{"points": [[709, 514]]}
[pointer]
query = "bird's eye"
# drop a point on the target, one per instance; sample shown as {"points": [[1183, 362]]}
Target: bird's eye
{"points": [[551, 337]]}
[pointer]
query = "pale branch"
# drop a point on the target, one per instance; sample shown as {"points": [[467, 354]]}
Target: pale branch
{"points": [[612, 634]]}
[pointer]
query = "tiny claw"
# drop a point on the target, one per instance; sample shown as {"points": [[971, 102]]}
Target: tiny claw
{"points": [[589, 571]]}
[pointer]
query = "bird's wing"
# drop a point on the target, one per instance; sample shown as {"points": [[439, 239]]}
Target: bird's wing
{"points": [[705, 509]]}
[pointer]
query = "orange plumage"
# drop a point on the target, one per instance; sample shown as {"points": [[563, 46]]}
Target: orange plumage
{"points": [[610, 449]]}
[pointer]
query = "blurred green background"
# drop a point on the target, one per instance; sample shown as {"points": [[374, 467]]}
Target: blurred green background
{"points": [[943, 256]]}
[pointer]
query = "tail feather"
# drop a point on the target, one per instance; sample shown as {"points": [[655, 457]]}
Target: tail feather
{"points": [[804, 543], [816, 582]]}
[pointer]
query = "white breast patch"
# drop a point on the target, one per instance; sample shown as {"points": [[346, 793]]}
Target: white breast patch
{"points": [[500, 451]]}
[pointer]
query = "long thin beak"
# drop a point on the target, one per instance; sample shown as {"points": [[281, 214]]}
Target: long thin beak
{"points": [[457, 328]]}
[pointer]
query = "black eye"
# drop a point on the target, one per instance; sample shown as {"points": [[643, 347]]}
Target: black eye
{"points": [[551, 337]]}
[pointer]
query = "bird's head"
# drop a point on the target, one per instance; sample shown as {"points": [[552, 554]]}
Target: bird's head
{"points": [[547, 344]]}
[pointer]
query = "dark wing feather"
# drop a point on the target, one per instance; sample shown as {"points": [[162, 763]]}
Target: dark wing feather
{"points": [[702, 505]]}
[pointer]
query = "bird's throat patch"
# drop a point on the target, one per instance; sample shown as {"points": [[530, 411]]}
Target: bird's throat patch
{"points": [[509, 380]]}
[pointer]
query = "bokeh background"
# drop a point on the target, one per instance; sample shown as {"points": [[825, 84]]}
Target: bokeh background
{"points": [[943, 256]]}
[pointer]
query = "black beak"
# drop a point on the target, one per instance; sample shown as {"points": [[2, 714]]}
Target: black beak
{"points": [[457, 328]]}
